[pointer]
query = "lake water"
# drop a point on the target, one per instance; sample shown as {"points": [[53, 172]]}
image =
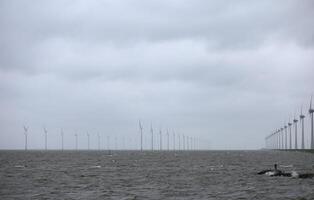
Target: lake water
{"points": [[152, 175]]}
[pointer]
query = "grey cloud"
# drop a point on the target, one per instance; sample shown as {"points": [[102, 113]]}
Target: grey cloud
{"points": [[191, 66]]}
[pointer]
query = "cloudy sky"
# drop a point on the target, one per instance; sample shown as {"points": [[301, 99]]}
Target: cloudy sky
{"points": [[227, 72]]}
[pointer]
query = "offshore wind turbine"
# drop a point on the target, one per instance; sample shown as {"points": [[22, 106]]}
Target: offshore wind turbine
{"points": [[179, 142], [25, 134], [311, 111], [152, 134], [141, 131], [76, 141], [302, 129], [183, 141], [282, 134], [174, 141], [167, 140], [160, 138], [286, 136], [295, 121], [62, 139], [290, 134], [187, 142], [88, 140], [98, 140], [46, 133]]}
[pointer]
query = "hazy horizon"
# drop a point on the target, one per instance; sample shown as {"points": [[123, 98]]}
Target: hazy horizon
{"points": [[225, 72]]}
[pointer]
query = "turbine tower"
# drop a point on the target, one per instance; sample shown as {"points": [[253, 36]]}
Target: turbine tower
{"points": [[25, 134], [295, 121], [286, 136], [179, 142], [46, 133], [167, 140], [76, 141], [98, 140], [183, 141], [187, 142], [311, 111], [290, 135], [160, 138], [87, 141], [62, 139], [302, 129], [141, 131], [152, 132], [282, 134], [174, 141], [108, 143]]}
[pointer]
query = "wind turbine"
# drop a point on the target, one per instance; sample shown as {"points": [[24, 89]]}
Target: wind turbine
{"points": [[141, 130], [290, 134], [25, 134], [311, 111], [286, 136], [179, 142], [187, 142], [295, 121], [46, 133], [98, 139], [282, 134], [87, 141], [174, 141], [167, 139], [183, 141], [160, 138], [61, 139], [152, 132], [108, 143], [76, 141], [302, 129]]}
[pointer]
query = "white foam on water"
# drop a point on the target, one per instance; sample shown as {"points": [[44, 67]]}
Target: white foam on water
{"points": [[95, 167], [19, 166]]}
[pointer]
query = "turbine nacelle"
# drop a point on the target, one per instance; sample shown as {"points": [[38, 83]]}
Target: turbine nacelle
{"points": [[295, 120], [289, 124]]}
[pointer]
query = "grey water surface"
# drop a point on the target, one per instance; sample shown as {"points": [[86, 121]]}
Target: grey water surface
{"points": [[152, 175]]}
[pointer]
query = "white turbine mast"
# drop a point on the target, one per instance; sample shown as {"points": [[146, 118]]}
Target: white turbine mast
{"points": [[46, 135], [141, 132], [62, 135], [311, 111], [25, 134], [152, 135], [302, 128]]}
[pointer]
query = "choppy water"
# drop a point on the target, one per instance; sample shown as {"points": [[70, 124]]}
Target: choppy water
{"points": [[152, 175]]}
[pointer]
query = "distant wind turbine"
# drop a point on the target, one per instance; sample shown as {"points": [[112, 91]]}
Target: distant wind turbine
{"points": [[87, 141], [295, 121], [183, 142], [25, 134], [98, 140], [174, 141], [46, 133], [76, 141], [302, 129], [152, 132], [141, 131], [282, 141], [61, 139], [167, 140], [160, 139], [290, 134], [179, 142], [311, 111], [286, 136]]}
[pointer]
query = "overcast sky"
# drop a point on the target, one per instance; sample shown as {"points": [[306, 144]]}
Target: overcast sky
{"points": [[228, 72]]}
